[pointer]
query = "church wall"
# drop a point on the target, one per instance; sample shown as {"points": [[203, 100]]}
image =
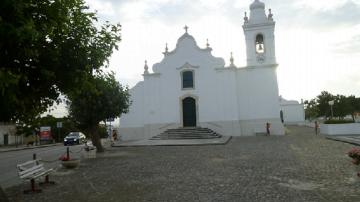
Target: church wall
{"points": [[226, 128], [257, 88], [208, 97], [258, 126], [134, 118], [152, 109], [170, 99], [227, 98], [258, 101], [131, 133]]}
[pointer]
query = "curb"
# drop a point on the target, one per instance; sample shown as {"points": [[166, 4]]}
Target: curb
{"points": [[25, 148], [339, 139]]}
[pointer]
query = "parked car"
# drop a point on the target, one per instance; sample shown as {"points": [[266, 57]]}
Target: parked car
{"points": [[74, 138]]}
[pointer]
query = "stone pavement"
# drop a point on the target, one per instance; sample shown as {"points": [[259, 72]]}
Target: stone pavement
{"points": [[296, 167]]}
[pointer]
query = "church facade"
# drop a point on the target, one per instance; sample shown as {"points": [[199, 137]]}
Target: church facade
{"points": [[192, 88]]}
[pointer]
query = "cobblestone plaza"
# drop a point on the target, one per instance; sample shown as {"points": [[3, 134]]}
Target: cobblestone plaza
{"points": [[296, 167]]}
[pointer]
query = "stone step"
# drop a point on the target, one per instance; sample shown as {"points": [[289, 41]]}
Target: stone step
{"points": [[189, 129], [181, 138], [187, 133], [186, 136]]}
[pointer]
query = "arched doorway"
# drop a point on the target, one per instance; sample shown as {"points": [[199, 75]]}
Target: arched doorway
{"points": [[189, 112]]}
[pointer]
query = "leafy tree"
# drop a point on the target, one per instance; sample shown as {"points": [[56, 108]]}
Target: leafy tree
{"points": [[357, 105], [354, 105], [47, 47], [99, 98], [311, 109], [342, 106], [323, 103]]}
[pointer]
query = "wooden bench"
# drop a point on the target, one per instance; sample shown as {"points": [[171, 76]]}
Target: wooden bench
{"points": [[31, 170]]}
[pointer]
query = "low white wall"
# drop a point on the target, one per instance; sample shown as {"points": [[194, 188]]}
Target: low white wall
{"points": [[340, 129], [293, 113], [9, 130]]}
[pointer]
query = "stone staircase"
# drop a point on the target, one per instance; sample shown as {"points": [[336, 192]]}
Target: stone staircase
{"points": [[187, 133]]}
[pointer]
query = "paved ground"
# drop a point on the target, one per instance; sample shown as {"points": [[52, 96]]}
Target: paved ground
{"points": [[296, 167], [49, 155]]}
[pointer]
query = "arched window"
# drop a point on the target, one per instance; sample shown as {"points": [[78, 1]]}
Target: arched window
{"points": [[259, 43], [187, 79]]}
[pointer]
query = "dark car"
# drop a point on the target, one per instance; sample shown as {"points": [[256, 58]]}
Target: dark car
{"points": [[74, 138]]}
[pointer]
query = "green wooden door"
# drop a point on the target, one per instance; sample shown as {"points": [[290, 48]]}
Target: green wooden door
{"points": [[189, 112]]}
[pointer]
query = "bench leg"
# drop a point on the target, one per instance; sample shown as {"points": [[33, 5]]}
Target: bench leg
{"points": [[33, 189], [47, 181]]}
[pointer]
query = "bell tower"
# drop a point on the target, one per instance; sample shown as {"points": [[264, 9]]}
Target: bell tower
{"points": [[259, 36]]}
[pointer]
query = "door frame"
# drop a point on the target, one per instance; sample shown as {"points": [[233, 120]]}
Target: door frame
{"points": [[196, 98]]}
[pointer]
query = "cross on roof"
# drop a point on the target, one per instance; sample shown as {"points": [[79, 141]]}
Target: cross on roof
{"points": [[186, 28]]}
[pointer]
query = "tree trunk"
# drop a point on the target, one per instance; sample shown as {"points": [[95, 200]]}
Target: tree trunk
{"points": [[95, 138], [3, 196]]}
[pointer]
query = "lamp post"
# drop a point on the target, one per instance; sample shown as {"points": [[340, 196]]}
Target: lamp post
{"points": [[331, 103]]}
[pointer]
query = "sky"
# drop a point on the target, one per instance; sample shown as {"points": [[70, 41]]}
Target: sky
{"points": [[317, 41]]}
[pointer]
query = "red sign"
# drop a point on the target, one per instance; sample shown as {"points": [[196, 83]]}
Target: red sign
{"points": [[45, 133]]}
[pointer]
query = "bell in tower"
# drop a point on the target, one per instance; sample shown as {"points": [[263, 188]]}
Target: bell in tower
{"points": [[259, 36], [259, 43]]}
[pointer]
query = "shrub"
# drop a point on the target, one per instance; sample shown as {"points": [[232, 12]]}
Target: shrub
{"points": [[338, 121], [354, 153]]}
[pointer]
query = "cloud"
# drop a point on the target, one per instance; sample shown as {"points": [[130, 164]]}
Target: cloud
{"points": [[322, 17], [104, 8], [351, 46], [347, 14], [320, 5]]}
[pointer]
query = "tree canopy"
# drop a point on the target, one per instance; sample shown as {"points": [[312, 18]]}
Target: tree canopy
{"points": [[101, 97], [48, 47], [343, 106]]}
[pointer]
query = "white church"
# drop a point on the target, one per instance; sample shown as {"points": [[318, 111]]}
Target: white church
{"points": [[192, 88]]}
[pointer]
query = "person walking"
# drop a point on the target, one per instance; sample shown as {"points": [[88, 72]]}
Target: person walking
{"points": [[114, 134], [267, 128], [316, 127]]}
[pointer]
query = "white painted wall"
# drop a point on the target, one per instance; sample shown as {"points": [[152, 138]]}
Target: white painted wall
{"points": [[134, 118], [293, 111], [340, 129], [258, 93]]}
